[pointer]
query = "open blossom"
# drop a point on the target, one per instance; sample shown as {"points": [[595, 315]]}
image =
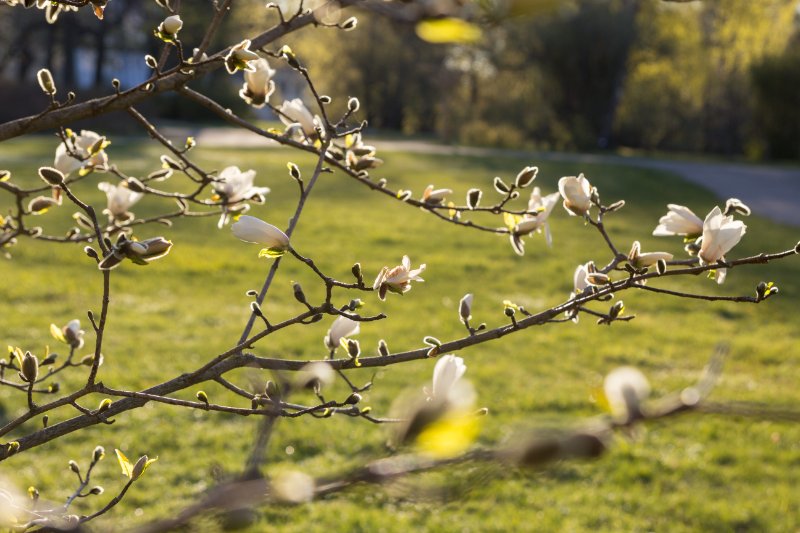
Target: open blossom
{"points": [[435, 196], [641, 260], [577, 194], [625, 389], [240, 57], [341, 328], [120, 199], [234, 186], [543, 206], [295, 112], [81, 146], [720, 234], [448, 370], [71, 334], [255, 230], [679, 221], [398, 279], [258, 84], [139, 252]]}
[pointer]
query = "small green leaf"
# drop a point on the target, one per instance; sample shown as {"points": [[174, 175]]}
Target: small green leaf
{"points": [[448, 30]]}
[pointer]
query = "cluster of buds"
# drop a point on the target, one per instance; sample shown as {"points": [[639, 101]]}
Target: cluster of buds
{"points": [[140, 252]]}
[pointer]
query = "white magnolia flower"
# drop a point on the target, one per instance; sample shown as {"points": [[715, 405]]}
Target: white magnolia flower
{"points": [[625, 389], [255, 230], [544, 206], [435, 196], [141, 252], [234, 186], [577, 194], [240, 57], [641, 260], [80, 146], [341, 328], [397, 279], [120, 199], [171, 25], [258, 84], [295, 112], [580, 277], [679, 221], [448, 370], [73, 334], [720, 234]]}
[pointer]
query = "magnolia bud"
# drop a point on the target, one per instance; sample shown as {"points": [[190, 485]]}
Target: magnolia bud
{"points": [[616, 309], [138, 468], [98, 453], [474, 198], [96, 491], [353, 348], [271, 390], [616, 206], [383, 348], [325, 99], [349, 24], [30, 368], [135, 185], [353, 104], [294, 170], [526, 176], [74, 467], [299, 295], [500, 186], [171, 25], [202, 396], [465, 307], [353, 399], [104, 405], [46, 81], [51, 175], [356, 270], [661, 267]]}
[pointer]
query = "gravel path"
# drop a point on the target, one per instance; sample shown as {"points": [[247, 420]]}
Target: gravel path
{"points": [[772, 192]]}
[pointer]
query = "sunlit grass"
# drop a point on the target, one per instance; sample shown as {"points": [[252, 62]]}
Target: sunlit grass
{"points": [[687, 474]]}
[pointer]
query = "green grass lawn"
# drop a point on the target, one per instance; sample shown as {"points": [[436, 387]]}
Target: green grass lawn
{"points": [[692, 473]]}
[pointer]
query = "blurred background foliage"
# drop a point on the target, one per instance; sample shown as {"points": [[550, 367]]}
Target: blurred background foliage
{"points": [[698, 76]]}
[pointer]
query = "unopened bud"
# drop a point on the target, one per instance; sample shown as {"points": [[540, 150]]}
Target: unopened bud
{"points": [[202, 396], [353, 348], [138, 468], [353, 105], [135, 185], [96, 491], [526, 176], [325, 99], [510, 311], [74, 467], [474, 198], [299, 295], [353, 399], [349, 24], [271, 390], [51, 175], [30, 368], [465, 307], [46, 81], [431, 341], [356, 270], [383, 348], [616, 206], [98, 454], [661, 267], [104, 405], [616, 309], [12, 448], [294, 170], [33, 492], [500, 186], [45, 420]]}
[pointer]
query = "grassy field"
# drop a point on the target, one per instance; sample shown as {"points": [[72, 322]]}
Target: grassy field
{"points": [[693, 473]]}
